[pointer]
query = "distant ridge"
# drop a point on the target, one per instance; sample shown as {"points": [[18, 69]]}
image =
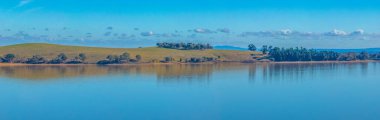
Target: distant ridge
{"points": [[226, 47], [369, 50]]}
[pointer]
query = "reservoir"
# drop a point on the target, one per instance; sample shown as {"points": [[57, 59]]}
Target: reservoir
{"points": [[329, 91]]}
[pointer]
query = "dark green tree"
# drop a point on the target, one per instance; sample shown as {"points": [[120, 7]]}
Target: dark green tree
{"points": [[9, 58], [138, 58], [82, 57], [61, 58], [113, 58], [264, 49], [363, 56], [168, 59], [252, 47], [36, 59], [125, 56]]}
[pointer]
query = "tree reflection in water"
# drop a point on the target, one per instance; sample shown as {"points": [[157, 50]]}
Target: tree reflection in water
{"points": [[193, 73]]}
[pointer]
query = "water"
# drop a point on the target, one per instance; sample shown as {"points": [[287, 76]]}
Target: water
{"points": [[222, 91]]}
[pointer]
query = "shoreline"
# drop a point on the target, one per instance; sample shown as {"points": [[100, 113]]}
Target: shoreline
{"points": [[205, 63], [316, 62]]}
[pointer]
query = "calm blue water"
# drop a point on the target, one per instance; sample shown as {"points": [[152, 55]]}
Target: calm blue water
{"points": [[344, 91]]}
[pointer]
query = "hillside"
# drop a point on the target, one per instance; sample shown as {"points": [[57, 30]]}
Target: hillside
{"points": [[96, 53], [226, 47]]}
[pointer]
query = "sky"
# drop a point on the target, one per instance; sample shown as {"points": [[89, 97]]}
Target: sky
{"points": [[132, 23]]}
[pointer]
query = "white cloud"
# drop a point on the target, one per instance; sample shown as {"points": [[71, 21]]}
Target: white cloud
{"points": [[286, 32], [167, 35], [203, 30], [358, 32], [290, 33], [24, 2], [109, 28], [224, 30], [336, 32], [150, 33], [107, 33]]}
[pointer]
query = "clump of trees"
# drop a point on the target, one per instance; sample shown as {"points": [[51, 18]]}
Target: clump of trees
{"points": [[375, 56], [184, 46], [252, 47], [303, 54], [200, 60], [169, 59], [120, 59], [138, 58], [265, 49], [8, 58], [38, 59], [61, 58], [81, 58]]}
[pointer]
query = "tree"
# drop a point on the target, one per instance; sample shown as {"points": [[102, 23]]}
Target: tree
{"points": [[112, 58], [36, 59], [264, 49], [138, 58], [168, 59], [9, 57], [61, 58], [116, 59], [125, 56], [77, 59], [82, 57], [363, 56], [252, 47]]}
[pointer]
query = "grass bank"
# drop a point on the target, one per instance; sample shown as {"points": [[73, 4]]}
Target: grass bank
{"points": [[95, 54]]}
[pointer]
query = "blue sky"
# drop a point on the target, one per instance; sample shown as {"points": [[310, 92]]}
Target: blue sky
{"points": [[86, 22]]}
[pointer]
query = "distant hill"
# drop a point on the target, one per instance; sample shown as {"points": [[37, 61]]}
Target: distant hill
{"points": [[95, 54], [226, 47], [369, 50]]}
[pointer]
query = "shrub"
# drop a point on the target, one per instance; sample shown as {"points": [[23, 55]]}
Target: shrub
{"points": [[36, 59]]}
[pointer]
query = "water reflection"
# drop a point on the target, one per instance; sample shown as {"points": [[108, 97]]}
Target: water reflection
{"points": [[163, 72], [265, 73], [244, 91], [296, 72]]}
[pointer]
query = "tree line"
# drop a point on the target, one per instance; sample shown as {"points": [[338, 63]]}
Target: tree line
{"points": [[38, 59], [184, 46], [169, 59], [120, 59], [124, 58], [303, 54], [63, 59]]}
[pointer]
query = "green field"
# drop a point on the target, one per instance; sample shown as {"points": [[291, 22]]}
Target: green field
{"points": [[95, 54]]}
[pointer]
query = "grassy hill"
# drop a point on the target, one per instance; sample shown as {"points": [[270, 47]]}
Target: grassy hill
{"points": [[96, 53]]}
